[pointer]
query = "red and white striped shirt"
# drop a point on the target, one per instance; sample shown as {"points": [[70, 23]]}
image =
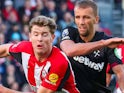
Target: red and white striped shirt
{"points": [[54, 73]]}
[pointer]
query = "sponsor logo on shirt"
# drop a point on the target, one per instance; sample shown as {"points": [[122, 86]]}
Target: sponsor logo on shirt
{"points": [[53, 78], [118, 52], [65, 34], [96, 53], [86, 61]]}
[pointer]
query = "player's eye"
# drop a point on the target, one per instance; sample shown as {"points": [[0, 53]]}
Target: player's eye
{"points": [[45, 34]]}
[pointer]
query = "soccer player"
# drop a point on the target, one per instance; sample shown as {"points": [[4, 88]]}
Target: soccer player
{"points": [[90, 51], [46, 68]]}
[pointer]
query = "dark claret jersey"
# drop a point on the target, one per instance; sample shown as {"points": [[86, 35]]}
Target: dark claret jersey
{"points": [[54, 73], [90, 69]]}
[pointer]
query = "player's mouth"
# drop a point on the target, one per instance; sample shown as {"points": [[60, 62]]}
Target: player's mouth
{"points": [[40, 46]]}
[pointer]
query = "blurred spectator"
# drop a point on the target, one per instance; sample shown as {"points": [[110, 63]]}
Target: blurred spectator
{"points": [[68, 20], [11, 77], [56, 40], [18, 3], [62, 9], [49, 7], [35, 13], [3, 26], [39, 8], [25, 10], [57, 33], [25, 19], [25, 32], [2, 38], [99, 28], [13, 74], [14, 33], [71, 4], [10, 11]]}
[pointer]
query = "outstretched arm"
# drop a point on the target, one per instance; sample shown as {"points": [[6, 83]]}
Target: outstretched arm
{"points": [[4, 50], [119, 71], [74, 49]]}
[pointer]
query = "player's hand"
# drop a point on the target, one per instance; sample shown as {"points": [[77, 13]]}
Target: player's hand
{"points": [[113, 42]]}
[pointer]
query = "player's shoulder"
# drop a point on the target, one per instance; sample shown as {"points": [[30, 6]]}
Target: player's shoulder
{"points": [[70, 28], [21, 46], [26, 42], [59, 56]]}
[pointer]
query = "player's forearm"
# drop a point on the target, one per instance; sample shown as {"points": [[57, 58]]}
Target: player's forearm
{"points": [[4, 50], [92, 46], [81, 48]]}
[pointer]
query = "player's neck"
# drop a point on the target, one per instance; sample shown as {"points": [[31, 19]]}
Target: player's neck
{"points": [[89, 37], [42, 57]]}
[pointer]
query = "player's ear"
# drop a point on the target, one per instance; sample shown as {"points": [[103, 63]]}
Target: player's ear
{"points": [[53, 36], [96, 19]]}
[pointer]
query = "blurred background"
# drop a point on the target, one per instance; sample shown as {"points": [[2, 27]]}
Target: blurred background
{"points": [[16, 14]]}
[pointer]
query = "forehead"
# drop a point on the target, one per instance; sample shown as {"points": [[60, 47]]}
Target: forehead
{"points": [[83, 10], [36, 28]]}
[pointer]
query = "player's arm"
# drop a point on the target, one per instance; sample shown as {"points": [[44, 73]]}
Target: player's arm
{"points": [[73, 49], [4, 50], [44, 90], [7, 90], [119, 71]]}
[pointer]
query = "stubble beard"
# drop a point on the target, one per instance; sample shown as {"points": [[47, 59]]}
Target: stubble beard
{"points": [[85, 34]]}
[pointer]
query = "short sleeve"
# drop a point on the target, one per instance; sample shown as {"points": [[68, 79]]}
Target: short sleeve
{"points": [[69, 33], [113, 58]]}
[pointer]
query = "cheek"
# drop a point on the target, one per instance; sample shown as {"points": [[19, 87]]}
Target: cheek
{"points": [[90, 23], [47, 41], [50, 41]]}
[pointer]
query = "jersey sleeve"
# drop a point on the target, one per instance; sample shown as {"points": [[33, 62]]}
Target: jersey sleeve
{"points": [[113, 58], [17, 49], [57, 76], [69, 33]]}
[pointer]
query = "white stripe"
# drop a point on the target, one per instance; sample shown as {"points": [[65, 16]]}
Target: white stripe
{"points": [[37, 73], [25, 60], [48, 65]]}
